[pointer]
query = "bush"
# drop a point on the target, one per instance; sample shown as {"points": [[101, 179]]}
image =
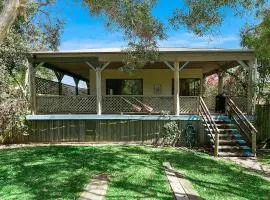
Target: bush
{"points": [[189, 136], [171, 133], [12, 119]]}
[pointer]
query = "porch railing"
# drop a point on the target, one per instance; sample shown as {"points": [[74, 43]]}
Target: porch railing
{"points": [[57, 104], [126, 103], [115, 104], [246, 127], [210, 125], [240, 101]]}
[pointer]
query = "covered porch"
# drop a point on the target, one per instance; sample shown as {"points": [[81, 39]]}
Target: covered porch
{"points": [[170, 86]]}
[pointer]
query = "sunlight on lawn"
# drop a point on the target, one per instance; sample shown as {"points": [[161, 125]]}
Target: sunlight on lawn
{"points": [[135, 172]]}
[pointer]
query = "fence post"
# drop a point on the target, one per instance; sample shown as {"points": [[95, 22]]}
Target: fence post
{"points": [[254, 142], [32, 86], [216, 150]]}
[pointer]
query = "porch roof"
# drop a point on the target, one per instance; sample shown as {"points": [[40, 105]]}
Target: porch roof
{"points": [[74, 62]]}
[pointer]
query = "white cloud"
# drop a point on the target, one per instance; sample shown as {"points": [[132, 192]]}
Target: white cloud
{"points": [[77, 44], [192, 41], [180, 40]]}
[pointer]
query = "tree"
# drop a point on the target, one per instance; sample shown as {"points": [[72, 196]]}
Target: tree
{"points": [[29, 33], [258, 38], [142, 30], [10, 11]]}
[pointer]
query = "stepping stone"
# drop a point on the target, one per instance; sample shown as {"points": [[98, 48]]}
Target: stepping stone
{"points": [[97, 188], [181, 187]]}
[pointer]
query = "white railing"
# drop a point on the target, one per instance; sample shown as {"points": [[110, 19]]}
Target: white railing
{"points": [[189, 104], [240, 101], [137, 104], [56, 104], [133, 104]]}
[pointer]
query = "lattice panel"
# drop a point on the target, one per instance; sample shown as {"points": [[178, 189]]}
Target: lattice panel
{"points": [[189, 105], [66, 104], [117, 104], [44, 86], [241, 103], [210, 102]]}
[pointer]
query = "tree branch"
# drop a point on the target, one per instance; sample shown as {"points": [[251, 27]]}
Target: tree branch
{"points": [[11, 10]]}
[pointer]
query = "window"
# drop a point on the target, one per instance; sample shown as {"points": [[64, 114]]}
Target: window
{"points": [[189, 86], [124, 87]]}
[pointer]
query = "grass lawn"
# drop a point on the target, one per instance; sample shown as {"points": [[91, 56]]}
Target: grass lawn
{"points": [[264, 158], [59, 172]]}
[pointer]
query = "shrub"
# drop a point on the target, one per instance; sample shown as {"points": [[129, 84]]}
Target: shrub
{"points": [[12, 119], [171, 133]]}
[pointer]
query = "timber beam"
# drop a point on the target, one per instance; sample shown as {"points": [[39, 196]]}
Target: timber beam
{"points": [[49, 66], [63, 59]]}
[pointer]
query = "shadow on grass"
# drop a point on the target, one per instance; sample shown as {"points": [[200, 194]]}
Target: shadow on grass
{"points": [[216, 179], [62, 172], [136, 173]]}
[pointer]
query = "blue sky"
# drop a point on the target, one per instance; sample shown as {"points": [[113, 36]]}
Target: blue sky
{"points": [[83, 31]]}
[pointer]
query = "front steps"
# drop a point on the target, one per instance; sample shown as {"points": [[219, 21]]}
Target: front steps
{"points": [[231, 142]]}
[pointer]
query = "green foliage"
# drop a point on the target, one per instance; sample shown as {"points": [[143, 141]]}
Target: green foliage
{"points": [[203, 17], [189, 136], [141, 29], [37, 31], [236, 81], [258, 38], [12, 120], [171, 133]]}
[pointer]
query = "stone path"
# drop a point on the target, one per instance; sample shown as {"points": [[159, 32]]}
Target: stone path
{"points": [[181, 187], [97, 188], [251, 163]]}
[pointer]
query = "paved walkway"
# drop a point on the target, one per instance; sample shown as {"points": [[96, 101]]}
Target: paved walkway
{"points": [[96, 190], [251, 163], [181, 187]]}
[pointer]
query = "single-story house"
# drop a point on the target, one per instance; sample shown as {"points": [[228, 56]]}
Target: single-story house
{"points": [[129, 103]]}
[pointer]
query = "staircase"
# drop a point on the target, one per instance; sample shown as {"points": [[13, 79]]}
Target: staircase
{"points": [[229, 136], [231, 142]]}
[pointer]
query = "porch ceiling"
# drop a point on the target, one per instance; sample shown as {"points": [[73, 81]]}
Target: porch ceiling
{"points": [[81, 70], [74, 62]]}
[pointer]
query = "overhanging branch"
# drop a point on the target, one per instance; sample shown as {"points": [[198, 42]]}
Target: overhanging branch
{"points": [[11, 10]]}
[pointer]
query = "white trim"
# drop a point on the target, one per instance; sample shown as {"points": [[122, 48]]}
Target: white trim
{"points": [[90, 65], [241, 62], [169, 65], [184, 65], [105, 65]]}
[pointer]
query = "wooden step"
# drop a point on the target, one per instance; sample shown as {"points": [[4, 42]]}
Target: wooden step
{"points": [[230, 142], [224, 125], [234, 148], [225, 130]]}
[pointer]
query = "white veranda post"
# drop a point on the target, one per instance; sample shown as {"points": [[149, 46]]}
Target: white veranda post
{"points": [[32, 86], [98, 91], [251, 94], [252, 76], [176, 89], [176, 70], [98, 71]]}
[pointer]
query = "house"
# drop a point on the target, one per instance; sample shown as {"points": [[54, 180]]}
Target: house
{"points": [[120, 102]]}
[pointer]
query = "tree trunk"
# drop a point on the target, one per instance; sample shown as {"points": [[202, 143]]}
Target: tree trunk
{"points": [[10, 11]]}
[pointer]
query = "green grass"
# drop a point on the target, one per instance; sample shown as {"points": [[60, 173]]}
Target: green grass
{"points": [[264, 158], [135, 172]]}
